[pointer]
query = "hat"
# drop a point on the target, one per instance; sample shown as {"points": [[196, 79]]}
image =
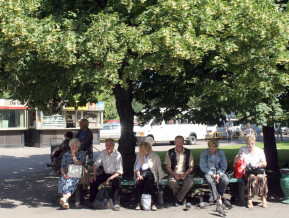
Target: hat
{"points": [[213, 144]]}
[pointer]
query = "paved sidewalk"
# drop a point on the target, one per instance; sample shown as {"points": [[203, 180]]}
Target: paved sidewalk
{"points": [[26, 190]]}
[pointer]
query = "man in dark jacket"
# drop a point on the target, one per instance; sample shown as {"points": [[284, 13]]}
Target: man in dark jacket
{"points": [[179, 164], [85, 137]]}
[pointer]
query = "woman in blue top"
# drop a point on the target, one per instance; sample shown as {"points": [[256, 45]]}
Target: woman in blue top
{"points": [[67, 185], [213, 163]]}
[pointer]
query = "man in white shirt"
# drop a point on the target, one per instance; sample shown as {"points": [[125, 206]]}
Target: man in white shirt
{"points": [[111, 161]]}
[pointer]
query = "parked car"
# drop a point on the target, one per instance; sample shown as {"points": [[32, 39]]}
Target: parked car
{"points": [[285, 130], [159, 131], [110, 130], [112, 122]]}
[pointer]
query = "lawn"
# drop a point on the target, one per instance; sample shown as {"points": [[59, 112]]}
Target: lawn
{"points": [[231, 151]]}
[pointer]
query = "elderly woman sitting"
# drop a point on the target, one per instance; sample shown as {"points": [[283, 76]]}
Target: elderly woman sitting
{"points": [[213, 163], [254, 158], [148, 171], [67, 185]]}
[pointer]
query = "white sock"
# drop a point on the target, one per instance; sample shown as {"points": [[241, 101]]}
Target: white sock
{"points": [[219, 201]]}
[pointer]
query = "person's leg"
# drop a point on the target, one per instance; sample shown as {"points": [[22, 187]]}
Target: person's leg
{"points": [[94, 186], [149, 185], [212, 185], [251, 186], [115, 190], [224, 182], [139, 190], [173, 184], [188, 183], [263, 189]]}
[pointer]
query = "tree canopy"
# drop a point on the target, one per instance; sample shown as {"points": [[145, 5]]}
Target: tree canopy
{"points": [[212, 56]]}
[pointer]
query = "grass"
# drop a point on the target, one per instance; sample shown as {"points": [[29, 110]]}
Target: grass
{"points": [[231, 152]]}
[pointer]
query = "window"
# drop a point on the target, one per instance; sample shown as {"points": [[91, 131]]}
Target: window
{"points": [[12, 118]]}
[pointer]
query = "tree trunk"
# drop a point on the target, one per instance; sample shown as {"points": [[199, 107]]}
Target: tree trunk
{"points": [[270, 148], [127, 141]]}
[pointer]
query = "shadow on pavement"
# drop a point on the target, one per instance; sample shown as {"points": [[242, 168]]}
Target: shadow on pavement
{"points": [[25, 181]]}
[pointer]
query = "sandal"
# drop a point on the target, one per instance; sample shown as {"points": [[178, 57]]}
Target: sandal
{"points": [[264, 204], [250, 204], [137, 207], [154, 208]]}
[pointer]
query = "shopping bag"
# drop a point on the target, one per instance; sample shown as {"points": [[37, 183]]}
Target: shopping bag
{"points": [[146, 201], [101, 200]]}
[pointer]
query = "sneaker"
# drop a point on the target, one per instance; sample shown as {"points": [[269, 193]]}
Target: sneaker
{"points": [[188, 206], [154, 208], [116, 207], [137, 207], [177, 203], [62, 201], [66, 205], [227, 204]]}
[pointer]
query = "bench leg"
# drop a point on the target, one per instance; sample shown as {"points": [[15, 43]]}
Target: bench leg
{"points": [[78, 196], [242, 193]]}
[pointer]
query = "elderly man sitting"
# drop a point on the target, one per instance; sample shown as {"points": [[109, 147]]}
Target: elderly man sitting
{"points": [[213, 163], [111, 161]]}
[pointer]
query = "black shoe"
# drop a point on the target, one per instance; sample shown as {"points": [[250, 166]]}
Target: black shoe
{"points": [[177, 203], [220, 209], [227, 204]]}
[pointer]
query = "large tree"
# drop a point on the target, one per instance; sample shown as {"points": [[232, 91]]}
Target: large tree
{"points": [[244, 69], [54, 52]]}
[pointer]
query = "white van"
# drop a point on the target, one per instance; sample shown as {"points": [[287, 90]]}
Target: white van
{"points": [[155, 131]]}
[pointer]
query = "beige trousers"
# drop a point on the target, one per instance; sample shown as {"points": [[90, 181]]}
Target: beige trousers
{"points": [[180, 192]]}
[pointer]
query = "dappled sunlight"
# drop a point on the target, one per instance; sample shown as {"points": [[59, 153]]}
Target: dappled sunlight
{"points": [[27, 182]]}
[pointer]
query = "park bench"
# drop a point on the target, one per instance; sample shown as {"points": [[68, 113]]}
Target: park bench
{"points": [[197, 181], [200, 181]]}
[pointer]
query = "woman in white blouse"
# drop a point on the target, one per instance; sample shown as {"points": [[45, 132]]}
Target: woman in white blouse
{"points": [[254, 158], [148, 171]]}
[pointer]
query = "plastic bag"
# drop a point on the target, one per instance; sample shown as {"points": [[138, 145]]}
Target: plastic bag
{"points": [[239, 168], [146, 202], [101, 199]]}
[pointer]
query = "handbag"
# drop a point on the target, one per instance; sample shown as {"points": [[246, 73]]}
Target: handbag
{"points": [[146, 173], [230, 172], [85, 176], [74, 171], [254, 170], [101, 200]]}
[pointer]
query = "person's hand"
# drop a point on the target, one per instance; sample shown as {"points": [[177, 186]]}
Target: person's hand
{"points": [[183, 176], [92, 179], [177, 177], [216, 178], [139, 178], [65, 176], [107, 182], [53, 153]]}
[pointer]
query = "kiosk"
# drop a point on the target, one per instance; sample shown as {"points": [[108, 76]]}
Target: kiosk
{"points": [[13, 123], [48, 130]]}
